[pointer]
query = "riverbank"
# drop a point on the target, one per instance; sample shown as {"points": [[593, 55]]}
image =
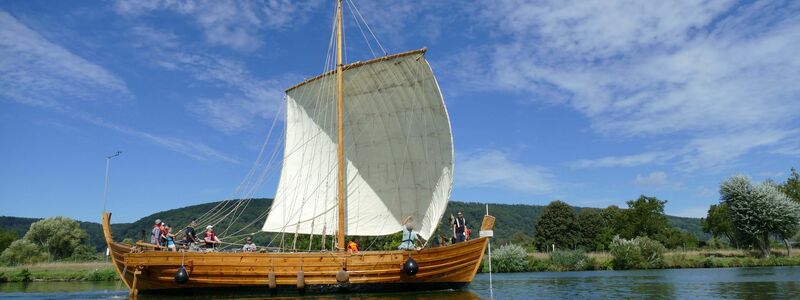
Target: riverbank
{"points": [[542, 262], [59, 271]]}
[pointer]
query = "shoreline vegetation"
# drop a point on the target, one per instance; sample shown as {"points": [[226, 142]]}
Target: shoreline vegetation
{"points": [[533, 262], [565, 261]]}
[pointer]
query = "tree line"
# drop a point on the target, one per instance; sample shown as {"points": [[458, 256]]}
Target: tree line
{"points": [[753, 215], [594, 229], [52, 239], [748, 216]]}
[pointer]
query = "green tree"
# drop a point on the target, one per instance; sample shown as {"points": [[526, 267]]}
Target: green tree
{"points": [[792, 186], [644, 217], [22, 252], [758, 211], [6, 237], [718, 222], [673, 238], [556, 225], [59, 236], [590, 227]]}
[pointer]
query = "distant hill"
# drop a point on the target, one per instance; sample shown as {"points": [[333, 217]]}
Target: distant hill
{"points": [[512, 220]]}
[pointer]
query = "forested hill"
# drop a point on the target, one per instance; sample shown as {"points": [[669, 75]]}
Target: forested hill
{"points": [[514, 221]]}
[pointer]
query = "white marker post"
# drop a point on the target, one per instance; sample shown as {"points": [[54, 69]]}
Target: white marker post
{"points": [[490, 234]]}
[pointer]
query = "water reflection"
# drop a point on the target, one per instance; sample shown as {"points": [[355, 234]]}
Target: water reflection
{"points": [[738, 283], [447, 295]]}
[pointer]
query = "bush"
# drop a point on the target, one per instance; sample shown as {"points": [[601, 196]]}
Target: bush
{"points": [[509, 258], [20, 276], [22, 252], [638, 253], [101, 275], [570, 260], [6, 238], [716, 243], [84, 253], [539, 265], [59, 236]]}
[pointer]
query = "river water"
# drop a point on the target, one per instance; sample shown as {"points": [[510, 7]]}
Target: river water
{"points": [[729, 283]]}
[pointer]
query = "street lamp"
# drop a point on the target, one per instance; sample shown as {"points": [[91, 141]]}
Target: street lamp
{"points": [[105, 189]]}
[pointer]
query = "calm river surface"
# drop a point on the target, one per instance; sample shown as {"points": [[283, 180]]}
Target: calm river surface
{"points": [[731, 283]]}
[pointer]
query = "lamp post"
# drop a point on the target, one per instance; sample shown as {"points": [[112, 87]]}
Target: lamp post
{"points": [[105, 188]]}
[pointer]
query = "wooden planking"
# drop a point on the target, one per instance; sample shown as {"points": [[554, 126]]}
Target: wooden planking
{"points": [[454, 263]]}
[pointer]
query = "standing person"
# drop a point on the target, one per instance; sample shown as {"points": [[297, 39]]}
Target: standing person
{"points": [[211, 239], [155, 233], [460, 227], [249, 246], [191, 236], [163, 239], [409, 235], [169, 237]]}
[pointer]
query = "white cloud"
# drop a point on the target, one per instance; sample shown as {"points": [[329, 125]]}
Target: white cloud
{"points": [[196, 150], [718, 78], [35, 71], [624, 161], [493, 168], [657, 178], [236, 24], [248, 99]]}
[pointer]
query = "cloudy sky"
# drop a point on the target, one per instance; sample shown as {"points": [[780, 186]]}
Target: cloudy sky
{"points": [[591, 102]]}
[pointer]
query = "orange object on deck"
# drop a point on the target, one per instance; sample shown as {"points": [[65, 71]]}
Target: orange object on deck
{"points": [[352, 247]]}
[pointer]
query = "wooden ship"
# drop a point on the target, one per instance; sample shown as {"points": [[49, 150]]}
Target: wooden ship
{"points": [[367, 146]]}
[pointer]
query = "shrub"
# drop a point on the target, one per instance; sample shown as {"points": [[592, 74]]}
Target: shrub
{"points": [[101, 275], [20, 276], [638, 253], [570, 260], [59, 236], [652, 252], [84, 253], [509, 258], [539, 265], [22, 252], [716, 243]]}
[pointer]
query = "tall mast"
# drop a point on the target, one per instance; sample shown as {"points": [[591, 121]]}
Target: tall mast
{"points": [[340, 124]]}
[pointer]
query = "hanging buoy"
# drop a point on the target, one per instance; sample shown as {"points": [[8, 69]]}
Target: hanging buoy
{"points": [[181, 276], [410, 267], [301, 280], [342, 276], [271, 278]]}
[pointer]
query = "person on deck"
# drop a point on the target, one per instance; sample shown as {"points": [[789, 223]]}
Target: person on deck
{"points": [[460, 227], [155, 233], [211, 239], [352, 247], [249, 246], [163, 240], [409, 235], [191, 236], [170, 238]]}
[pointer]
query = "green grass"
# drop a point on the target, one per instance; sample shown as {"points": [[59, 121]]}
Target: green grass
{"points": [[60, 271]]}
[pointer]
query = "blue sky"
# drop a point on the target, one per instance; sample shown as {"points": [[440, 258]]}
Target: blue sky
{"points": [[591, 102]]}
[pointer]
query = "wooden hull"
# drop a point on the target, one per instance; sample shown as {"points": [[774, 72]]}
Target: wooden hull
{"points": [[449, 267]]}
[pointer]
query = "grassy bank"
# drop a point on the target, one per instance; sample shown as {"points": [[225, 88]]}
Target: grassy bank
{"points": [[543, 262], [85, 271]]}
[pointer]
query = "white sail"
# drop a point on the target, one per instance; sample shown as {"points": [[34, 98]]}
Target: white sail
{"points": [[398, 151]]}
